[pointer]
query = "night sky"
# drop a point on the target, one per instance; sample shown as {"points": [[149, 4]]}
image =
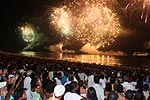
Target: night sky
{"points": [[134, 35]]}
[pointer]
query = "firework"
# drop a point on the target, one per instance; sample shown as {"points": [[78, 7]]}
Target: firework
{"points": [[62, 20], [28, 32], [145, 7], [88, 21], [97, 25]]}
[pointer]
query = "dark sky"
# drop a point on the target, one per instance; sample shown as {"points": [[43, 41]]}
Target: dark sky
{"points": [[13, 13], [133, 37]]}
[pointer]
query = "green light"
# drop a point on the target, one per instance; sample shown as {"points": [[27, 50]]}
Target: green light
{"points": [[28, 33]]}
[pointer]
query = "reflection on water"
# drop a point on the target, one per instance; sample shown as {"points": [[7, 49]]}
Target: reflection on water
{"points": [[83, 58], [28, 53], [98, 59], [121, 61]]}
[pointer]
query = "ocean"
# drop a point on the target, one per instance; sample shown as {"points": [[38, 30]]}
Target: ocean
{"points": [[115, 61]]}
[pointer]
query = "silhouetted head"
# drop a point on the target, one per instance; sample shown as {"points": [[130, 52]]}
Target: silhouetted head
{"points": [[112, 96]]}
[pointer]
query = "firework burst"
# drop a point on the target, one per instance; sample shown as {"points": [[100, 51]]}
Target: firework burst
{"points": [[28, 32], [88, 21], [62, 20]]}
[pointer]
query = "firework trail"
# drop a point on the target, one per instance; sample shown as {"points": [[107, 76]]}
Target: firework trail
{"points": [[145, 7], [88, 21]]}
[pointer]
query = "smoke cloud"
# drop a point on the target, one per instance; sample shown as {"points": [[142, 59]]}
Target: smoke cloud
{"points": [[87, 48], [56, 47]]}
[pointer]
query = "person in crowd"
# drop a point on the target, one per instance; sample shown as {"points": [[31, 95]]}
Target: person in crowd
{"points": [[27, 80], [33, 93], [91, 94], [127, 85], [64, 78], [72, 95], [146, 91], [139, 85], [102, 81], [112, 96], [70, 79], [129, 95], [91, 79], [19, 94], [57, 77], [107, 90], [76, 75], [3, 90], [45, 78], [3, 76], [67, 87], [49, 89], [146, 80], [59, 91], [139, 95], [120, 92], [71, 73], [98, 88], [13, 87], [82, 75], [82, 88], [112, 81]]}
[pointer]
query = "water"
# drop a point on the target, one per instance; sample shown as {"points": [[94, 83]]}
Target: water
{"points": [[118, 61]]}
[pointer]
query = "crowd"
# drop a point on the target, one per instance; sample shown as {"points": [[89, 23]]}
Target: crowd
{"points": [[33, 78]]}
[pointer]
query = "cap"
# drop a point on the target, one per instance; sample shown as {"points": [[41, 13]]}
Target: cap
{"points": [[59, 90]]}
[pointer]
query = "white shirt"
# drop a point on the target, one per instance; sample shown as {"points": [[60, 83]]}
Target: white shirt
{"points": [[72, 96], [74, 79], [82, 76], [128, 86], [32, 95], [51, 75], [99, 91], [146, 94], [58, 82], [27, 83], [91, 80], [67, 83], [102, 83]]}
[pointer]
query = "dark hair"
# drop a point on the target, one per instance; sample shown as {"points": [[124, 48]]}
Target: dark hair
{"points": [[49, 88], [139, 84], [112, 80], [34, 83], [139, 95], [108, 87], [96, 79], [129, 94], [18, 93], [70, 78], [91, 94], [73, 84], [32, 75], [112, 96], [145, 87], [67, 87], [119, 88], [101, 76], [45, 75]]}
